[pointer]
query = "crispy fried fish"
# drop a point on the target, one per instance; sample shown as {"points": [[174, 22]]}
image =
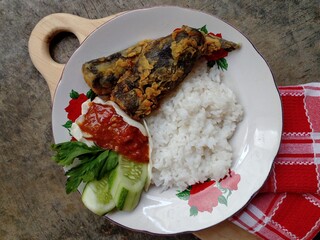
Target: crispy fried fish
{"points": [[138, 77]]}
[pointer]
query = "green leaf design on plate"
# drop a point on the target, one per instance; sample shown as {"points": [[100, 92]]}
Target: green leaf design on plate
{"points": [[222, 64], [204, 29], [229, 193], [184, 195], [222, 200], [67, 124], [91, 94], [193, 211], [74, 94]]}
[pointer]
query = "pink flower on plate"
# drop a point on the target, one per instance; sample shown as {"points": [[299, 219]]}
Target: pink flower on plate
{"points": [[205, 199], [231, 182]]}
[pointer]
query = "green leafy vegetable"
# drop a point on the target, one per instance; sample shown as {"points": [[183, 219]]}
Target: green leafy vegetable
{"points": [[87, 170], [68, 151], [108, 165], [94, 162]]}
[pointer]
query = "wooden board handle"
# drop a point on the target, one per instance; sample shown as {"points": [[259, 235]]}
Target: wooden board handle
{"points": [[43, 33], [39, 43]]}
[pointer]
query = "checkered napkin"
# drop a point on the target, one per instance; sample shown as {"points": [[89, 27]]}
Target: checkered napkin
{"points": [[288, 205]]}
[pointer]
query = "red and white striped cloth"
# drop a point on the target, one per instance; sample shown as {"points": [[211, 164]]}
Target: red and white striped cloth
{"points": [[288, 205]]}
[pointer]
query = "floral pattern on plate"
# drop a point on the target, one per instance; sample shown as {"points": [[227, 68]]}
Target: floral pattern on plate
{"points": [[203, 197]]}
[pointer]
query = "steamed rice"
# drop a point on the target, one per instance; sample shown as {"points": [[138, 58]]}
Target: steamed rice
{"points": [[190, 131]]}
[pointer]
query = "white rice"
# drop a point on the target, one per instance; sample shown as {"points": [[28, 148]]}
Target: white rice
{"points": [[190, 131]]}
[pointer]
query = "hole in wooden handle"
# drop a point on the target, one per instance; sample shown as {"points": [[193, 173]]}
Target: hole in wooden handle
{"points": [[62, 46], [39, 43], [43, 33]]}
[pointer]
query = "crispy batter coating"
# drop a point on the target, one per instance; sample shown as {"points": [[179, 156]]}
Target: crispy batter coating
{"points": [[138, 77]]}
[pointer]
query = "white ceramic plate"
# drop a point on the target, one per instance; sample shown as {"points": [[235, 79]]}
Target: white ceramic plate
{"points": [[255, 142]]}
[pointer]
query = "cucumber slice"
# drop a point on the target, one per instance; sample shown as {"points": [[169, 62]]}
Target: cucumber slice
{"points": [[97, 198], [126, 183]]}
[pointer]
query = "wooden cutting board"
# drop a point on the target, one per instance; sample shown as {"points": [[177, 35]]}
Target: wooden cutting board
{"points": [[39, 42]]}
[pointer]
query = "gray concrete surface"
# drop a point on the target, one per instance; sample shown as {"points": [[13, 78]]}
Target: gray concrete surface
{"points": [[33, 203]]}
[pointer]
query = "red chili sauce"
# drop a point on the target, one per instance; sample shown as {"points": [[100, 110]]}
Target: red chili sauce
{"points": [[110, 131]]}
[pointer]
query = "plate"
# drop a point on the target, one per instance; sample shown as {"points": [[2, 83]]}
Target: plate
{"points": [[255, 142]]}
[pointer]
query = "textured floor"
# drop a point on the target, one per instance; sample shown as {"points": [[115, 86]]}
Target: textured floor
{"points": [[33, 203]]}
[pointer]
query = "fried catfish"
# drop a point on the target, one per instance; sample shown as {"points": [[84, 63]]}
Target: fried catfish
{"points": [[138, 77]]}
